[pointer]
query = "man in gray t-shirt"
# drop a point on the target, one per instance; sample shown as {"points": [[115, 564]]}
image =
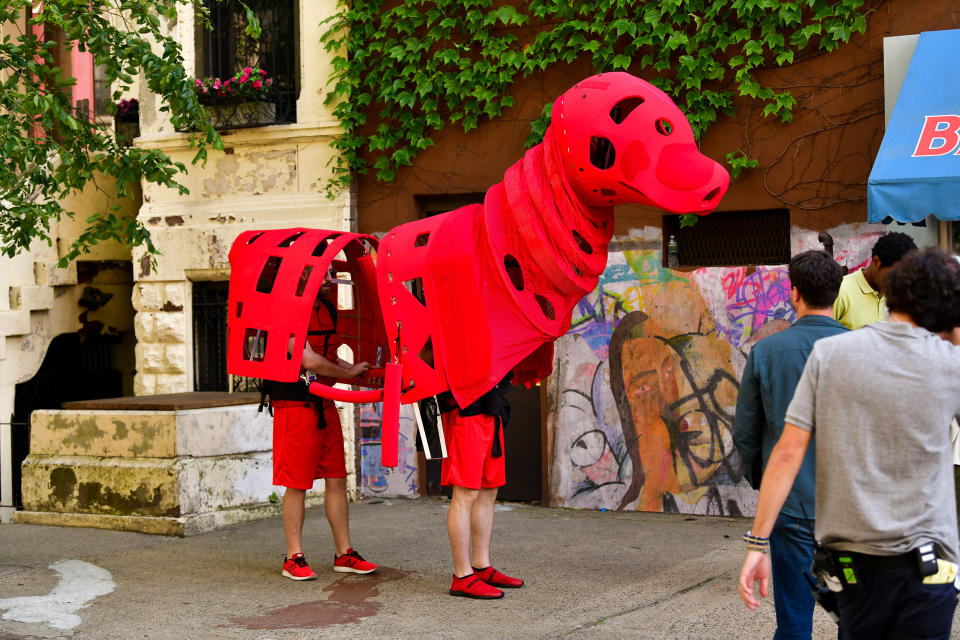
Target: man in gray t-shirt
{"points": [[880, 401]]}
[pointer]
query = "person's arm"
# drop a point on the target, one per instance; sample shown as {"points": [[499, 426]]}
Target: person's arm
{"points": [[782, 468], [313, 361], [840, 308], [750, 419]]}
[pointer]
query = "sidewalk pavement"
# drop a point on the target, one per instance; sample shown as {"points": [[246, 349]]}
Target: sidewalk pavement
{"points": [[589, 574]]}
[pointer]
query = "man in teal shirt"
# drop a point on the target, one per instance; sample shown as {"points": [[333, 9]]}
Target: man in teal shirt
{"points": [[769, 379]]}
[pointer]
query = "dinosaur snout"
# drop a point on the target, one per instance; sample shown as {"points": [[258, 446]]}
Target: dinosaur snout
{"points": [[693, 181]]}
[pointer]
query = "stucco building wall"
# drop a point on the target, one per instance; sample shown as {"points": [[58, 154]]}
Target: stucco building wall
{"points": [[265, 177]]}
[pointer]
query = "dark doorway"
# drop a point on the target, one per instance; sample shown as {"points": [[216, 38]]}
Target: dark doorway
{"points": [[523, 443], [76, 367]]}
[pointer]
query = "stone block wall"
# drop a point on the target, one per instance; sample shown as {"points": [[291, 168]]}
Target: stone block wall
{"points": [[176, 472], [161, 324]]}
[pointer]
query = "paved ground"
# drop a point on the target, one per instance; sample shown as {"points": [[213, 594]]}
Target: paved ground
{"points": [[589, 574]]}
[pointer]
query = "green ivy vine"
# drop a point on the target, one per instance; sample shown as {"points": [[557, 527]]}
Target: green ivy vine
{"points": [[404, 70]]}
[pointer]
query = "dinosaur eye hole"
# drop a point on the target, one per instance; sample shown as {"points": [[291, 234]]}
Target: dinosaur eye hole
{"points": [[664, 127], [602, 153], [623, 109]]}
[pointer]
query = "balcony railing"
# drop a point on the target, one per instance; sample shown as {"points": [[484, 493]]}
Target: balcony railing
{"points": [[278, 107]]}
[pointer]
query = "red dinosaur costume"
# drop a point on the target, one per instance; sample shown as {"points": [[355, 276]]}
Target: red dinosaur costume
{"points": [[499, 280]]}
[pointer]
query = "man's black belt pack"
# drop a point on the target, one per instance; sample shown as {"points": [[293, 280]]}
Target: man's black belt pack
{"points": [[884, 563]]}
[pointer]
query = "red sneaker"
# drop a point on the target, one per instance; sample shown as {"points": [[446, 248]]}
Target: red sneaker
{"points": [[351, 562], [471, 586], [493, 577], [296, 568]]}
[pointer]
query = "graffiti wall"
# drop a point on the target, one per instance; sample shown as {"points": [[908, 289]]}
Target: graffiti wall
{"points": [[647, 381], [375, 479]]}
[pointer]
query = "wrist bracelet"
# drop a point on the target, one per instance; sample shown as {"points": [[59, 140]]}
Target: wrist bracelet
{"points": [[756, 543]]}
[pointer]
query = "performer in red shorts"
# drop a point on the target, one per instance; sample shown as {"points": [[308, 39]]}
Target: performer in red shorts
{"points": [[475, 469], [308, 444]]}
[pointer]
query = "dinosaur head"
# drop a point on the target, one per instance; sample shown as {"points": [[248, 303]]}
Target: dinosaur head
{"points": [[622, 140]]}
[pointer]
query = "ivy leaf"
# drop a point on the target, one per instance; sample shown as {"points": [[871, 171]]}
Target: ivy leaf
{"points": [[687, 48], [753, 47], [621, 61], [508, 15], [739, 161]]}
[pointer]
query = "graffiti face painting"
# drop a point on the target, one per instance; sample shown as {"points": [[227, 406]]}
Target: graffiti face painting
{"points": [[675, 398], [669, 374], [647, 400]]}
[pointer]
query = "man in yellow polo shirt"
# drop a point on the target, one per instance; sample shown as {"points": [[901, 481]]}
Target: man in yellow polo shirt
{"points": [[860, 301]]}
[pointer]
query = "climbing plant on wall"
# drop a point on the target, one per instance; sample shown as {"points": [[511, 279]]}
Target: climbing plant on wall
{"points": [[403, 70]]}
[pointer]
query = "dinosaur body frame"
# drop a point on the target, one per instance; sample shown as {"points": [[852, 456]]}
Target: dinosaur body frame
{"points": [[461, 298]]}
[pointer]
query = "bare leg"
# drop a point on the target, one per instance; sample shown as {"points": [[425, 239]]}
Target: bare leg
{"points": [[293, 510], [335, 506], [458, 527], [481, 527]]}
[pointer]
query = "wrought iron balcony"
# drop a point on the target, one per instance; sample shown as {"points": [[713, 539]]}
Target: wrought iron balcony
{"points": [[278, 107]]}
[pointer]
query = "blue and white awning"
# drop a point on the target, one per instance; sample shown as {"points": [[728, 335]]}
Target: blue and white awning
{"points": [[917, 170]]}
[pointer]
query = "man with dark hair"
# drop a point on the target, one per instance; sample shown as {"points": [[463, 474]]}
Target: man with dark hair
{"points": [[928, 291], [885, 496], [769, 378], [860, 302]]}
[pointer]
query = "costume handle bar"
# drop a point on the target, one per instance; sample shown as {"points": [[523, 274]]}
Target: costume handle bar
{"points": [[345, 395]]}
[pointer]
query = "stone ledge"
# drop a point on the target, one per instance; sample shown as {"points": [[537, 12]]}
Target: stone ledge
{"points": [[294, 133], [183, 526], [156, 430], [157, 489]]}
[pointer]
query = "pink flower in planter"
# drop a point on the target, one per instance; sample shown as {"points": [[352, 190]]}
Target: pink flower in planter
{"points": [[248, 84]]}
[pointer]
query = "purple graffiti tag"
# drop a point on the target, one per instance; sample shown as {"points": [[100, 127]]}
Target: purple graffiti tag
{"points": [[598, 313], [753, 300]]}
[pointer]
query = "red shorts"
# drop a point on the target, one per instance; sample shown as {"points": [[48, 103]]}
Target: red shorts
{"points": [[302, 452], [470, 462]]}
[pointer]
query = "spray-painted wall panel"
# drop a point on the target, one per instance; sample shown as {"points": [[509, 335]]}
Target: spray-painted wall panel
{"points": [[646, 380], [375, 479]]}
